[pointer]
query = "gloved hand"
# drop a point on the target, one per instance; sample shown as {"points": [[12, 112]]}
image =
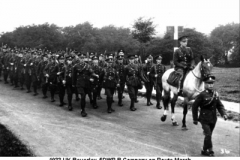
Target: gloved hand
{"points": [[225, 117], [195, 122], [192, 67]]}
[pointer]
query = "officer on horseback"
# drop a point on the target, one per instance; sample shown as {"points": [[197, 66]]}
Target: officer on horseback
{"points": [[183, 60]]}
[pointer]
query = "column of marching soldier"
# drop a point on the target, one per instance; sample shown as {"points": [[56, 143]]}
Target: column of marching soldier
{"points": [[81, 74]]}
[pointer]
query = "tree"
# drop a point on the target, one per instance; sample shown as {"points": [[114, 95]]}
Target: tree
{"points": [[224, 39], [143, 31]]}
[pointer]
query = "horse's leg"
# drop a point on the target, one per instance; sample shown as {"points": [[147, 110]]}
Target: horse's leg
{"points": [[173, 103], [185, 110], [165, 98]]}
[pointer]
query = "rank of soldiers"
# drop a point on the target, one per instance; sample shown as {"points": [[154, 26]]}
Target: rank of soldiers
{"points": [[74, 73]]}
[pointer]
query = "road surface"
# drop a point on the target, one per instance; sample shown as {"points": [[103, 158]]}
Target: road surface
{"points": [[50, 130]]}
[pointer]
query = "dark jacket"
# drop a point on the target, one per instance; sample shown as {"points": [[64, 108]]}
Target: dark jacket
{"points": [[183, 58], [159, 70], [209, 103]]}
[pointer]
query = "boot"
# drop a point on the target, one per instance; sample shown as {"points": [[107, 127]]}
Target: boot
{"points": [[158, 106], [83, 113], [120, 102], [109, 101], [70, 108], [132, 108]]}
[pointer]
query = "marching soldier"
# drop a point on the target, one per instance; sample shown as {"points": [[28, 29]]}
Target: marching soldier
{"points": [[102, 64], [110, 82], [120, 67], [51, 73], [68, 78], [156, 73], [34, 73], [44, 75], [81, 79], [97, 74], [183, 60], [209, 104], [133, 80], [61, 81], [148, 82], [28, 74]]}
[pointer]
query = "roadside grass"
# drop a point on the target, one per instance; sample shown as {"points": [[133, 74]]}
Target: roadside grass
{"points": [[10, 145], [227, 83]]}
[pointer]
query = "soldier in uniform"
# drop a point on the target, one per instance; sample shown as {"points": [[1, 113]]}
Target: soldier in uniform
{"points": [[28, 74], [51, 72], [102, 64], [61, 79], [133, 80], [97, 74], [81, 79], [183, 60], [34, 69], [209, 104], [149, 81], [156, 73], [44, 75], [68, 77], [120, 67], [110, 82]]}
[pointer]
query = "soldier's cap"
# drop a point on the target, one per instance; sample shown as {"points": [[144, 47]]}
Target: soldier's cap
{"points": [[60, 57], [82, 55], [20, 55], [150, 56], [181, 38], [209, 79], [69, 58], [101, 55], [131, 56], [158, 57], [110, 56], [95, 58], [121, 52], [136, 56], [91, 54]]}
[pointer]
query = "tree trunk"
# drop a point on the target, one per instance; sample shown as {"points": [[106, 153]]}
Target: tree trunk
{"points": [[226, 58]]}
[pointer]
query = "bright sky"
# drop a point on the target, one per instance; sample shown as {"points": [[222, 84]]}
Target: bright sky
{"points": [[204, 15]]}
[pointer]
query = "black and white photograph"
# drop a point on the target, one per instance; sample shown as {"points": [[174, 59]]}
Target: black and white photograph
{"points": [[119, 79]]}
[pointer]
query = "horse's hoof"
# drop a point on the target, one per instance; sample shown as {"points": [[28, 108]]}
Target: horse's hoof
{"points": [[175, 124], [184, 128], [163, 118]]}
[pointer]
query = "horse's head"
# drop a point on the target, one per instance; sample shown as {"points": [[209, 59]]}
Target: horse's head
{"points": [[206, 67]]}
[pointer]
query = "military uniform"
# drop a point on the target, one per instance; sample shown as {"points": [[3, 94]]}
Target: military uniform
{"points": [[81, 79], [43, 75], [69, 87], [110, 82], [156, 73], [149, 81], [133, 81], [209, 103], [102, 64], [34, 73], [61, 80], [28, 75], [183, 60], [97, 74]]}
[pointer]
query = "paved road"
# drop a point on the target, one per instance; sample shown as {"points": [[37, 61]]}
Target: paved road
{"points": [[49, 130]]}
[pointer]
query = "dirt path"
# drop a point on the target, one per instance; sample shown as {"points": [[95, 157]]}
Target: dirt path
{"points": [[49, 130]]}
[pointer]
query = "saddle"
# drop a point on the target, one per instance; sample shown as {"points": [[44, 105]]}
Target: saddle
{"points": [[174, 78]]}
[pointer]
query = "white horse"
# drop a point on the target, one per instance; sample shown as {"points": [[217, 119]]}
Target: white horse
{"points": [[192, 86]]}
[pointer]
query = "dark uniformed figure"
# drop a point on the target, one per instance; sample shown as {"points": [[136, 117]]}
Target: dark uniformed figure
{"points": [[28, 74], [97, 74], [68, 76], [110, 82], [61, 81], [149, 81], [183, 60], [133, 80], [6, 67], [22, 68], [81, 79], [1, 64], [34, 73], [209, 104], [120, 67], [44, 75], [156, 72], [102, 64]]}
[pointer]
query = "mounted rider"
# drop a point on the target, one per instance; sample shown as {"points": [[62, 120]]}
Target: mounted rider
{"points": [[183, 60]]}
